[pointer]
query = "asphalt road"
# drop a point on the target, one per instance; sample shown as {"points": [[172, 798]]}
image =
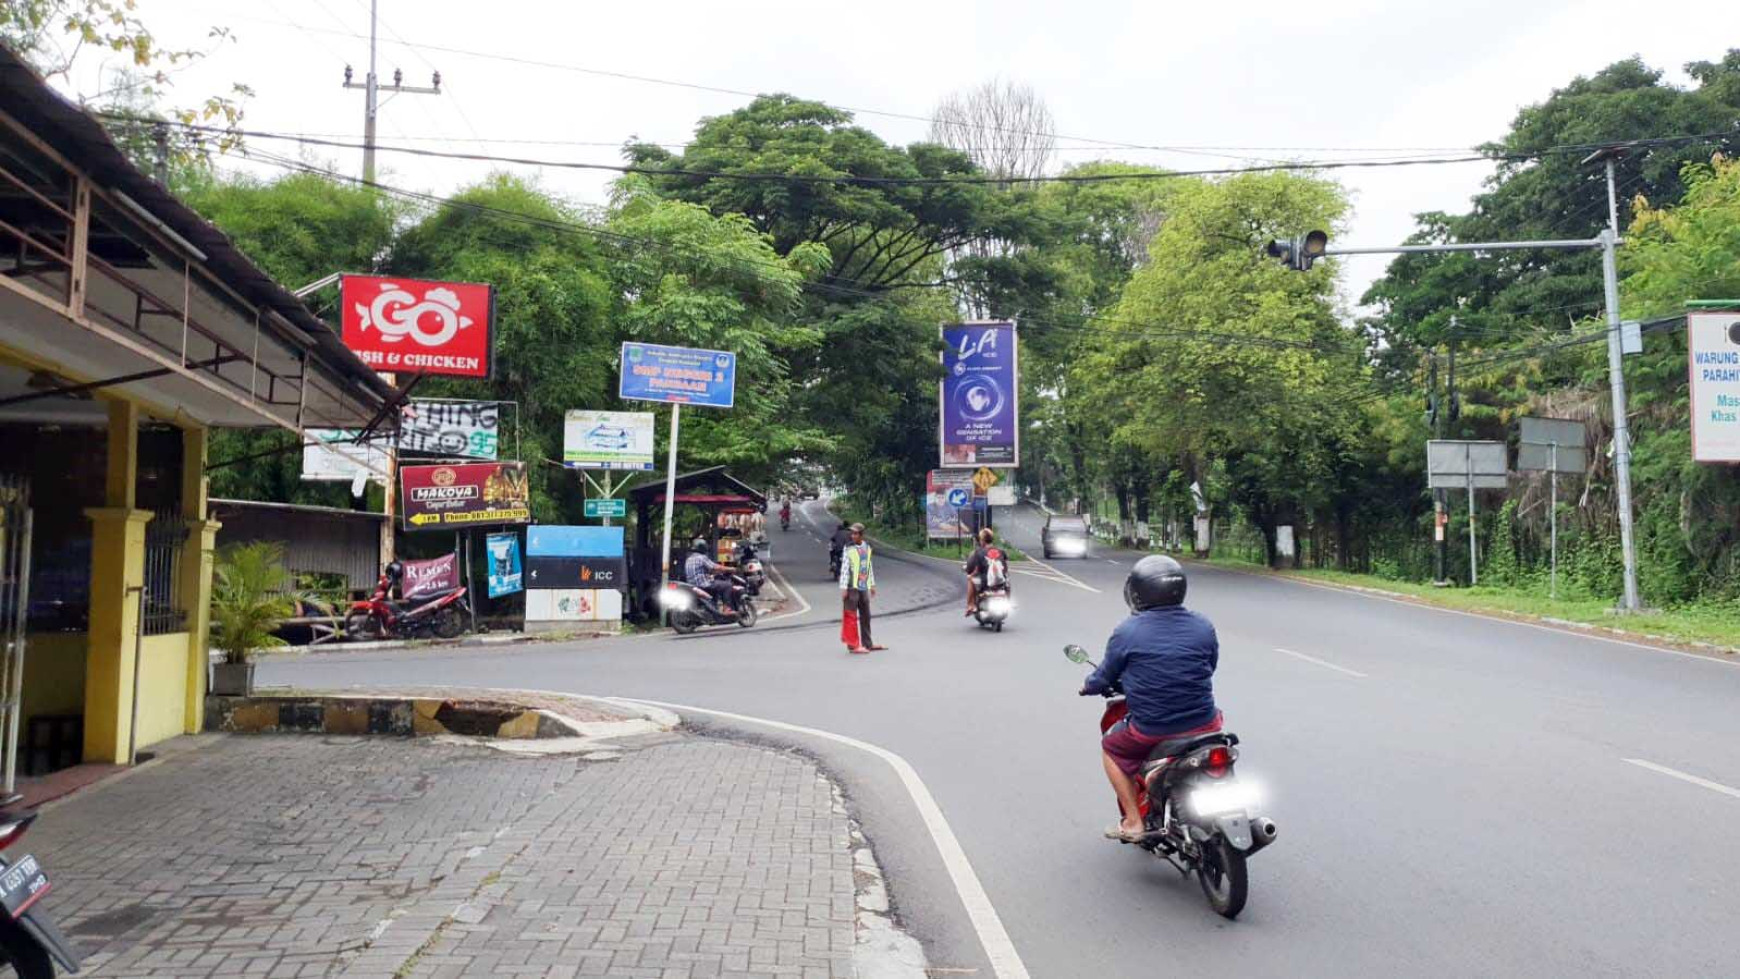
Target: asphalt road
{"points": [[1453, 792]]}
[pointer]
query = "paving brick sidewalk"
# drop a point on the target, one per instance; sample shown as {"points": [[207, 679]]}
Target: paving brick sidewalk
{"points": [[308, 856]]}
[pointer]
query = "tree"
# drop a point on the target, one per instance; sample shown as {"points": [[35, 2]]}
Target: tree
{"points": [[1006, 128]]}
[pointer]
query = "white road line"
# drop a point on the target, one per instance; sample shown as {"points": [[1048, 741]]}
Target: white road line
{"points": [[1005, 962], [1684, 777], [785, 585], [1578, 633], [1322, 663], [1062, 577]]}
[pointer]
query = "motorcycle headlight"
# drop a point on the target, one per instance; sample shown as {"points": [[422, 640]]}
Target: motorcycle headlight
{"points": [[1212, 800], [675, 598]]}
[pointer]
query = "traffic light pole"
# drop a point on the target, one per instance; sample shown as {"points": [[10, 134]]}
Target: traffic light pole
{"points": [[1607, 242]]}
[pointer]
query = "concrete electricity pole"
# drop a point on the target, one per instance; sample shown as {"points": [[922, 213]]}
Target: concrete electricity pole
{"points": [[371, 96]]}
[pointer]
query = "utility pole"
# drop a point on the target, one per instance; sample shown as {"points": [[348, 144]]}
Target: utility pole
{"points": [[371, 96], [1616, 378]]}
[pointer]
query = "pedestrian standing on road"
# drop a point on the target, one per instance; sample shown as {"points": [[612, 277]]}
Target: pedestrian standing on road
{"points": [[857, 588]]}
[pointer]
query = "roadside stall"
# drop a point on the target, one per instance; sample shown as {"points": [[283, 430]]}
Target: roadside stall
{"points": [[710, 504]]}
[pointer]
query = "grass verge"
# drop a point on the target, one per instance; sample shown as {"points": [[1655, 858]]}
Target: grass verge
{"points": [[1709, 624]]}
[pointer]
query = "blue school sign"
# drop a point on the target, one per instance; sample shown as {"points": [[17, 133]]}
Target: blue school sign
{"points": [[678, 375]]}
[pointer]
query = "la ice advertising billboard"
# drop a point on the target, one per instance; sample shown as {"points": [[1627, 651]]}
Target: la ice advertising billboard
{"points": [[980, 407]]}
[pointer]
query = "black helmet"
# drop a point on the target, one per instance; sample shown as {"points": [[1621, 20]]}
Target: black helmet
{"points": [[1156, 581], [395, 570], [699, 546]]}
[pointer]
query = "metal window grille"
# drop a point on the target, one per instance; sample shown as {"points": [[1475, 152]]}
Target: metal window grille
{"points": [[165, 538]]}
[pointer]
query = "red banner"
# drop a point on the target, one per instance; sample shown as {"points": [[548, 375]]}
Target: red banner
{"points": [[431, 576], [412, 326], [465, 495]]}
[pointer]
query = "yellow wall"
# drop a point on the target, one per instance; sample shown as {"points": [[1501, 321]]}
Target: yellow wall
{"points": [[54, 674], [162, 687]]}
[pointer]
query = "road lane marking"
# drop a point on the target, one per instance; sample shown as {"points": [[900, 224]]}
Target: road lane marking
{"points": [[1319, 662], [1055, 575], [999, 948], [1543, 627], [1683, 776], [790, 589]]}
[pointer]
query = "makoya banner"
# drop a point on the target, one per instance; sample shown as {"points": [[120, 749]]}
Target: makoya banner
{"points": [[451, 429]]}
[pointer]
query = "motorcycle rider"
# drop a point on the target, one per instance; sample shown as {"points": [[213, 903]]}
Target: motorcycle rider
{"points": [[1163, 657], [837, 545], [705, 573], [987, 563], [785, 515]]}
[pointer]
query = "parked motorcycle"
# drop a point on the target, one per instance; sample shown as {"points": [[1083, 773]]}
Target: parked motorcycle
{"points": [[995, 607], [754, 573], [1199, 816], [29, 940], [688, 607], [443, 614]]}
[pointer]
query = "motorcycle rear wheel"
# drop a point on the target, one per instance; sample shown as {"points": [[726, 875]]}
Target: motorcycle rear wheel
{"points": [[20, 951], [449, 623], [1221, 871], [362, 627], [684, 622]]}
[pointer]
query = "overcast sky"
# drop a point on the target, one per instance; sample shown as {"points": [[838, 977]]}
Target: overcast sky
{"points": [[1367, 77]]}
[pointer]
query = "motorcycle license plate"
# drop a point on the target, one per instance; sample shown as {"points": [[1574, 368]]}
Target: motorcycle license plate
{"points": [[21, 885]]}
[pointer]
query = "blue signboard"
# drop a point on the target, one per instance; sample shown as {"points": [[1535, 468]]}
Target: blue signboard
{"points": [[505, 574], [980, 411], [958, 496], [548, 540], [680, 375]]}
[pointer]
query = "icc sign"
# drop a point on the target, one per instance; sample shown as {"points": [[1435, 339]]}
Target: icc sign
{"points": [[411, 326]]}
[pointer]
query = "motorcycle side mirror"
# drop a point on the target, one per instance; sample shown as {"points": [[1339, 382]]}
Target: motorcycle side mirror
{"points": [[1075, 654]]}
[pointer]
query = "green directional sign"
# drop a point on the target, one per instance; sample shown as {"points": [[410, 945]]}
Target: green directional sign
{"points": [[606, 508]]}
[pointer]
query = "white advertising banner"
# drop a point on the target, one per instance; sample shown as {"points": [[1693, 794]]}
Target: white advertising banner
{"points": [[333, 454], [1713, 345], [608, 440]]}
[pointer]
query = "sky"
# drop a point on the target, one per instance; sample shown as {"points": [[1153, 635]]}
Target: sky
{"points": [[1235, 82]]}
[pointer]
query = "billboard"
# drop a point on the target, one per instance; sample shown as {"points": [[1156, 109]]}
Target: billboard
{"points": [[466, 494], [1552, 445], [678, 375], [588, 558], [980, 407], [1457, 464], [334, 454], [946, 493], [607, 439], [451, 429], [415, 326], [505, 573], [1713, 355]]}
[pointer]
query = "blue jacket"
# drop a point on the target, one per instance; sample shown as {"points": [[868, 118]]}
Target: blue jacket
{"points": [[1164, 659]]}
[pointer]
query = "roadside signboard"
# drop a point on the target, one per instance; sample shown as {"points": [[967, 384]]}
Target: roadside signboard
{"points": [[431, 576], [1000, 496], [466, 494], [946, 491], [980, 396], [597, 507], [1552, 445], [334, 454], [607, 440], [414, 326], [1454, 464], [983, 480], [588, 558], [451, 429], [506, 574], [1713, 355], [678, 375]]}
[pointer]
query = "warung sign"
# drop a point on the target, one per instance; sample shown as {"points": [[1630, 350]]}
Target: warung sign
{"points": [[1713, 355]]}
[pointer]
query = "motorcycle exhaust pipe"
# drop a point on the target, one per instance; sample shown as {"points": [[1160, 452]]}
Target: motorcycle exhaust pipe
{"points": [[1263, 832]]}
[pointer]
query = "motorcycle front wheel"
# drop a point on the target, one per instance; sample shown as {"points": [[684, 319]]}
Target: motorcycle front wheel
{"points": [[1221, 872], [362, 627], [747, 615], [449, 622]]}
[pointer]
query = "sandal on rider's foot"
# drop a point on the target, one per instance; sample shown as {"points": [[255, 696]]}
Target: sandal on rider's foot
{"points": [[1117, 832]]}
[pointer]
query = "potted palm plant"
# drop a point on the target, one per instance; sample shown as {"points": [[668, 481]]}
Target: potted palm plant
{"points": [[252, 594]]}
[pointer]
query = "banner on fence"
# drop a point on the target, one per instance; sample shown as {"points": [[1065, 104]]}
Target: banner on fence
{"points": [[451, 429], [429, 577]]}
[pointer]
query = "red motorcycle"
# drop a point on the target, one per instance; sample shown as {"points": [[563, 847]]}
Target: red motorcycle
{"points": [[1199, 816], [443, 614]]}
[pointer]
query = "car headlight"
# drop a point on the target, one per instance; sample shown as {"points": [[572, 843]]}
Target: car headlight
{"points": [[1070, 546], [1211, 800]]}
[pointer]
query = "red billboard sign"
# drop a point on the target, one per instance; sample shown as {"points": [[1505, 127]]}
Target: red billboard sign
{"points": [[411, 326], [466, 495]]}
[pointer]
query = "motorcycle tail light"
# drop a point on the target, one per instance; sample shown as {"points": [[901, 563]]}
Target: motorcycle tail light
{"points": [[11, 830], [1219, 760]]}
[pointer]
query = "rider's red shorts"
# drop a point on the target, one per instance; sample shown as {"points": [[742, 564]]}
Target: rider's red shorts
{"points": [[1129, 747]]}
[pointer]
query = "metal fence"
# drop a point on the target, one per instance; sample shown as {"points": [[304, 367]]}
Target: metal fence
{"points": [[165, 539]]}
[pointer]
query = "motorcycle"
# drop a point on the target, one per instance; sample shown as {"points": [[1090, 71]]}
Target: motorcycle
{"points": [[754, 573], [30, 942], [1199, 816], [443, 614], [688, 607], [835, 555], [995, 607], [785, 520]]}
